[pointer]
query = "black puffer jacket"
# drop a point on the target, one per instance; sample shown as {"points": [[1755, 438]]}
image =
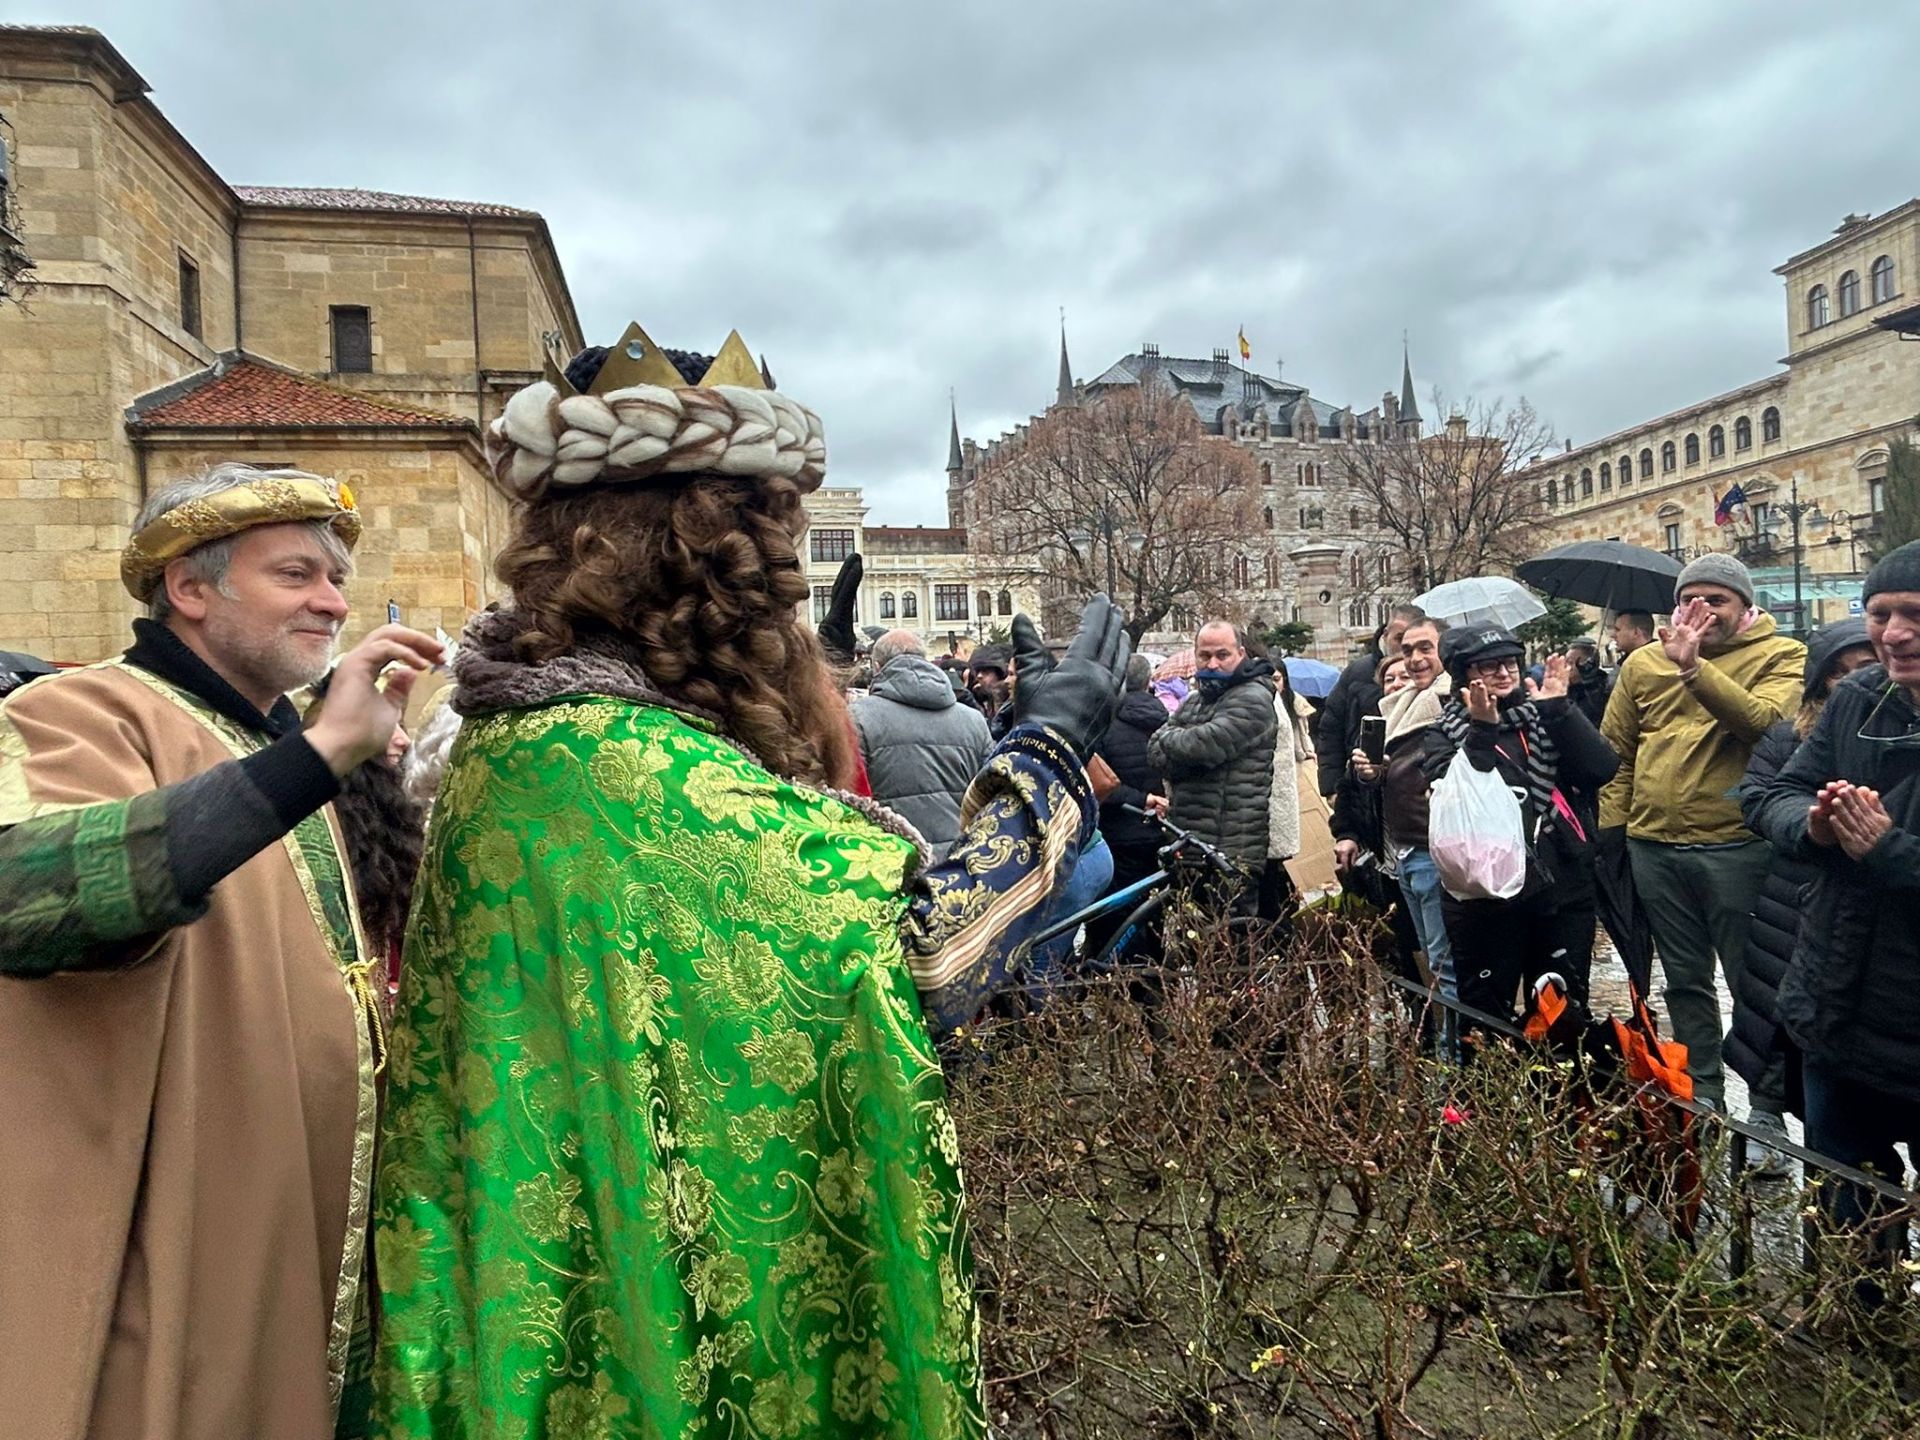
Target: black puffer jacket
{"points": [[1125, 751], [1851, 997], [1755, 1037], [1355, 695], [1217, 756]]}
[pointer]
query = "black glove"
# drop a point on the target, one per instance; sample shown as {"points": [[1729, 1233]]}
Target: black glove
{"points": [[1075, 698], [836, 630]]}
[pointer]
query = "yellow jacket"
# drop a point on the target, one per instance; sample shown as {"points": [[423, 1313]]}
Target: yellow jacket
{"points": [[1684, 745]]}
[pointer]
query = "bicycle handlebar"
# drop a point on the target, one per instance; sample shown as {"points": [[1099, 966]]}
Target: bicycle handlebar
{"points": [[1185, 840]]}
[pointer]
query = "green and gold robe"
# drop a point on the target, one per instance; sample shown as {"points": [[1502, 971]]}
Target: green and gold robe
{"points": [[667, 1151]]}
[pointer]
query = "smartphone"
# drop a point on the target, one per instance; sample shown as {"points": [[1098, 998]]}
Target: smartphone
{"points": [[1373, 738]]}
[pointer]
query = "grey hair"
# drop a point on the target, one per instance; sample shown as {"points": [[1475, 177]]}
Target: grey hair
{"points": [[209, 562], [892, 645]]}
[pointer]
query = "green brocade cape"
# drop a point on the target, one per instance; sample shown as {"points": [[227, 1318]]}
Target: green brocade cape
{"points": [[666, 1150]]}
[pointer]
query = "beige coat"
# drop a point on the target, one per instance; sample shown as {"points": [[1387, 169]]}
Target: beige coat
{"points": [[185, 1143]]}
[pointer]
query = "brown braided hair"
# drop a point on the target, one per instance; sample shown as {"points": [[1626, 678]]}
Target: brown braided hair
{"points": [[701, 579]]}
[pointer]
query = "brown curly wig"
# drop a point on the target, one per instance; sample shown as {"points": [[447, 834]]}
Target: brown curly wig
{"points": [[702, 581]]}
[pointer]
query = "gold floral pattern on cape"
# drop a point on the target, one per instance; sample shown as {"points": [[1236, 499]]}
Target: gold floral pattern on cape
{"points": [[667, 1150]]}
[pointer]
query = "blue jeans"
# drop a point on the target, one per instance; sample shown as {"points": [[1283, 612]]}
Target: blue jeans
{"points": [[1420, 888], [1089, 881]]}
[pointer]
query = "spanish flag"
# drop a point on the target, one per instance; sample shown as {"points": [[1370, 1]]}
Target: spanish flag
{"points": [[1246, 350]]}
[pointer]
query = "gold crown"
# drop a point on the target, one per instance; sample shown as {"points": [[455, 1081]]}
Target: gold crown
{"points": [[635, 360]]}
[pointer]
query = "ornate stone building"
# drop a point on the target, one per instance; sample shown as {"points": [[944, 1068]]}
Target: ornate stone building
{"points": [[177, 318], [1813, 434], [1317, 555], [919, 578]]}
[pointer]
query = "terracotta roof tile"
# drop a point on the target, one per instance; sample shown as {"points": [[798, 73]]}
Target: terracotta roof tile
{"points": [[245, 394], [294, 197]]}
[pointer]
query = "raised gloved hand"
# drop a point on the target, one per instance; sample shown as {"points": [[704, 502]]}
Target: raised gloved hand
{"points": [[836, 629], [1076, 697]]}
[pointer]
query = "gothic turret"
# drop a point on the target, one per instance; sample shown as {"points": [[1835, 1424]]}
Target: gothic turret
{"points": [[1408, 418]]}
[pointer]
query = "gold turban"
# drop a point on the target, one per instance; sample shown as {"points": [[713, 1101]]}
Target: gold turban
{"points": [[269, 500]]}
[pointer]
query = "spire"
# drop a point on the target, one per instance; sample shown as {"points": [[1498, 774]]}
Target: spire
{"points": [[1066, 370], [953, 437], [1409, 407]]}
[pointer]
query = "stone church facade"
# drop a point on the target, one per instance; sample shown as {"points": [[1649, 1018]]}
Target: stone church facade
{"points": [[175, 318], [1317, 555], [1818, 428]]}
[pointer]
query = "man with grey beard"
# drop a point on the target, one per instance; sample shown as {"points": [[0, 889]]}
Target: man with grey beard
{"points": [[189, 1023]]}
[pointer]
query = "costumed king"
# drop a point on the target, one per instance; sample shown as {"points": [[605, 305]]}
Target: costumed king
{"points": [[189, 1033], [667, 1149]]}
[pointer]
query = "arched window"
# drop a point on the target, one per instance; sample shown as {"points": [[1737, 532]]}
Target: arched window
{"points": [[1626, 469], [1716, 442], [1668, 456], [985, 606], [1849, 293], [1743, 434], [1606, 477], [1006, 602], [1817, 314], [1693, 449], [1881, 277], [1769, 425], [1586, 484], [1646, 463], [886, 604], [909, 606]]}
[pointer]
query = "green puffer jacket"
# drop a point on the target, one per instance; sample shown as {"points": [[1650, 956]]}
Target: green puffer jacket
{"points": [[1217, 756], [1684, 747]]}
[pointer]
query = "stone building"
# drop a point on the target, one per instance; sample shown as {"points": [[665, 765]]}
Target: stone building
{"points": [[1818, 428], [177, 318], [919, 578], [1319, 555]]}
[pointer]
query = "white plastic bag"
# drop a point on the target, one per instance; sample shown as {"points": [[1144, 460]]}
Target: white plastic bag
{"points": [[1476, 833]]}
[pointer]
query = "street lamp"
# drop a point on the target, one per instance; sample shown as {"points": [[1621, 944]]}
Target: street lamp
{"points": [[1852, 524], [1797, 510]]}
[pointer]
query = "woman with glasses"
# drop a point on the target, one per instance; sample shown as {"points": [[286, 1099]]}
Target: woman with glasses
{"points": [[1546, 750]]}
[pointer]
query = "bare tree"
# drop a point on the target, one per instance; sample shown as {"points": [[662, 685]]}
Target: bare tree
{"points": [[1454, 502], [1125, 494]]}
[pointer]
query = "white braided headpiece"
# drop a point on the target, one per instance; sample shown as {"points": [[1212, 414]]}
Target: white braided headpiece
{"points": [[546, 439]]}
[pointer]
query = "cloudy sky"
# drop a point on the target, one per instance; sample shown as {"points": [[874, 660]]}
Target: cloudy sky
{"points": [[1579, 202]]}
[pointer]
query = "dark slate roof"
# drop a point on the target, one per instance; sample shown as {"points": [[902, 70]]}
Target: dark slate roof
{"points": [[1209, 386], [297, 197]]}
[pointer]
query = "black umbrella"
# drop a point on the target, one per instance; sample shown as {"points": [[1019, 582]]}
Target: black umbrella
{"points": [[1608, 573], [1620, 908]]}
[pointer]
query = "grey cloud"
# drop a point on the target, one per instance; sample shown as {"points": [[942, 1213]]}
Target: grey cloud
{"points": [[1581, 200]]}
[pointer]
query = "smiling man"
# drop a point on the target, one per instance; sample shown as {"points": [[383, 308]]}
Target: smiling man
{"points": [[1684, 716], [188, 1030], [1849, 803]]}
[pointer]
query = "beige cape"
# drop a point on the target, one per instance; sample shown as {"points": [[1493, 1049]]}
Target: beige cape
{"points": [[185, 1144]]}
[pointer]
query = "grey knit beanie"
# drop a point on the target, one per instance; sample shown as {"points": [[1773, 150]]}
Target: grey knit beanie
{"points": [[1897, 570], [1715, 568]]}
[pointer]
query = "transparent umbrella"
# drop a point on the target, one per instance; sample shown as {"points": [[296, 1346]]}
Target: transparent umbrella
{"points": [[1482, 600]]}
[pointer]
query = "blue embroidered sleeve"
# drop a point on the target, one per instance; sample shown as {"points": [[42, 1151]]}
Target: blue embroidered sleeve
{"points": [[1023, 823]]}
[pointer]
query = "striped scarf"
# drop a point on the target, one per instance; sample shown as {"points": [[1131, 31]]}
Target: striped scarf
{"points": [[1523, 738]]}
